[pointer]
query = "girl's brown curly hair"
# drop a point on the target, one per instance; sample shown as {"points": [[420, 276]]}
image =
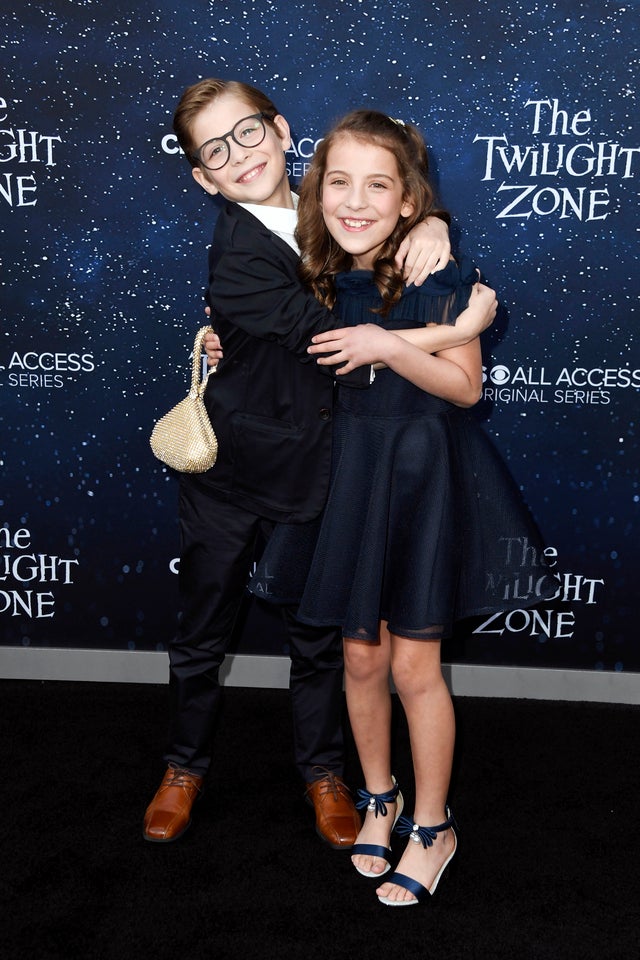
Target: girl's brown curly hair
{"points": [[321, 256]]}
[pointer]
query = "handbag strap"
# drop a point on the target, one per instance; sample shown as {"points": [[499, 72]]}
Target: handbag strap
{"points": [[198, 388]]}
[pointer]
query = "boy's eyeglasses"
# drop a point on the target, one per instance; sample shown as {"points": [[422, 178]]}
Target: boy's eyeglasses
{"points": [[248, 132]]}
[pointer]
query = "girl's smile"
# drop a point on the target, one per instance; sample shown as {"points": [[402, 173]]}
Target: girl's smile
{"points": [[362, 198], [356, 224]]}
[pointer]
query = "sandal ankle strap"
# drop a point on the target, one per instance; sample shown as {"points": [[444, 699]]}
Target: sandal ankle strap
{"points": [[423, 835], [376, 803]]}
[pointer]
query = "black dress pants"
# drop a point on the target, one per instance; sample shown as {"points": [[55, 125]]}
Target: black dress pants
{"points": [[218, 543]]}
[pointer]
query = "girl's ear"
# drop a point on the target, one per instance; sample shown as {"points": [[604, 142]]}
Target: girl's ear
{"points": [[283, 131], [407, 208], [202, 180]]}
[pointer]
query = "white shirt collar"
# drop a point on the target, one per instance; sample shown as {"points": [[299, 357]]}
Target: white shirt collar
{"points": [[279, 220]]}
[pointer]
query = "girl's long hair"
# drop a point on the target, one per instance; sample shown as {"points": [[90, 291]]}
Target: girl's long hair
{"points": [[321, 255]]}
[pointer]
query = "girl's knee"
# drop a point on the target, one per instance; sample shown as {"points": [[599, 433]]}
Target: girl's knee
{"points": [[414, 675], [364, 661]]}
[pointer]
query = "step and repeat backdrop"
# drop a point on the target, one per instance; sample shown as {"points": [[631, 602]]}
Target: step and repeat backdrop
{"points": [[530, 113]]}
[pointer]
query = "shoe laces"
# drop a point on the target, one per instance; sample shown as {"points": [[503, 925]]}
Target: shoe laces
{"points": [[180, 777], [328, 783]]}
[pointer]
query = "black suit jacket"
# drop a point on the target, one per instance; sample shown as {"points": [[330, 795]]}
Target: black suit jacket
{"points": [[269, 402]]}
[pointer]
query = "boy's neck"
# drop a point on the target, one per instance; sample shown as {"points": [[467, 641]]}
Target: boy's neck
{"points": [[279, 199], [267, 206]]}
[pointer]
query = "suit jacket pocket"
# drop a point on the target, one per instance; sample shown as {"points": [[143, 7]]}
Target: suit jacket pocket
{"points": [[269, 460]]}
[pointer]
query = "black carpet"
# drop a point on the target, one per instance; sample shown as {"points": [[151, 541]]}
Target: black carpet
{"points": [[546, 797]]}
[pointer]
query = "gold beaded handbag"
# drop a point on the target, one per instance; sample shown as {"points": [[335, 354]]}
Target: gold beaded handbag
{"points": [[184, 438]]}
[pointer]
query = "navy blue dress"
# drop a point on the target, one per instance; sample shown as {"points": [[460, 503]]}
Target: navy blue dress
{"points": [[424, 524]]}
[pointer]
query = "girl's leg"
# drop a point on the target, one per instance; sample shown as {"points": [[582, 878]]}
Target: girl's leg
{"points": [[366, 670], [417, 674]]}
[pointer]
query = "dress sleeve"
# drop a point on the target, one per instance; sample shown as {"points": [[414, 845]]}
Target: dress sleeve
{"points": [[445, 294]]}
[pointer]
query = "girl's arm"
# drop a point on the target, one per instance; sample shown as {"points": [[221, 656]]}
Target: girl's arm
{"points": [[454, 374], [474, 320], [356, 346]]}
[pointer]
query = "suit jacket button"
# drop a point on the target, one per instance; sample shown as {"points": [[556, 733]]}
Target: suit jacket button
{"points": [[325, 413]]}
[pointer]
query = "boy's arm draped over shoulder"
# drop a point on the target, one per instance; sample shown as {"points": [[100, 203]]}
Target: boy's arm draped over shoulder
{"points": [[425, 249]]}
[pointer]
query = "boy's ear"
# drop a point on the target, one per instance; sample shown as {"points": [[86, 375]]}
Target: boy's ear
{"points": [[283, 131], [203, 181]]}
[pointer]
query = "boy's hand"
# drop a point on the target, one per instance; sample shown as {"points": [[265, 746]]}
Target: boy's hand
{"points": [[425, 250]]}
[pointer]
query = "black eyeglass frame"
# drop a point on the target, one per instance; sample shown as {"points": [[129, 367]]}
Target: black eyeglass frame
{"points": [[197, 156]]}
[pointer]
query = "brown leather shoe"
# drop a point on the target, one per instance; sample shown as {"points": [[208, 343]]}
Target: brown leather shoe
{"points": [[337, 820], [169, 813]]}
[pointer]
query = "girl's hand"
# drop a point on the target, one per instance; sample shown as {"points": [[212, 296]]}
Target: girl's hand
{"points": [[354, 347], [479, 314], [213, 349], [425, 250], [212, 345]]}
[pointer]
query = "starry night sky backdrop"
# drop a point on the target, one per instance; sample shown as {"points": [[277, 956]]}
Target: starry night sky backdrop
{"points": [[106, 270]]}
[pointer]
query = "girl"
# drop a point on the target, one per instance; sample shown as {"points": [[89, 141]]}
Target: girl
{"points": [[422, 516]]}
